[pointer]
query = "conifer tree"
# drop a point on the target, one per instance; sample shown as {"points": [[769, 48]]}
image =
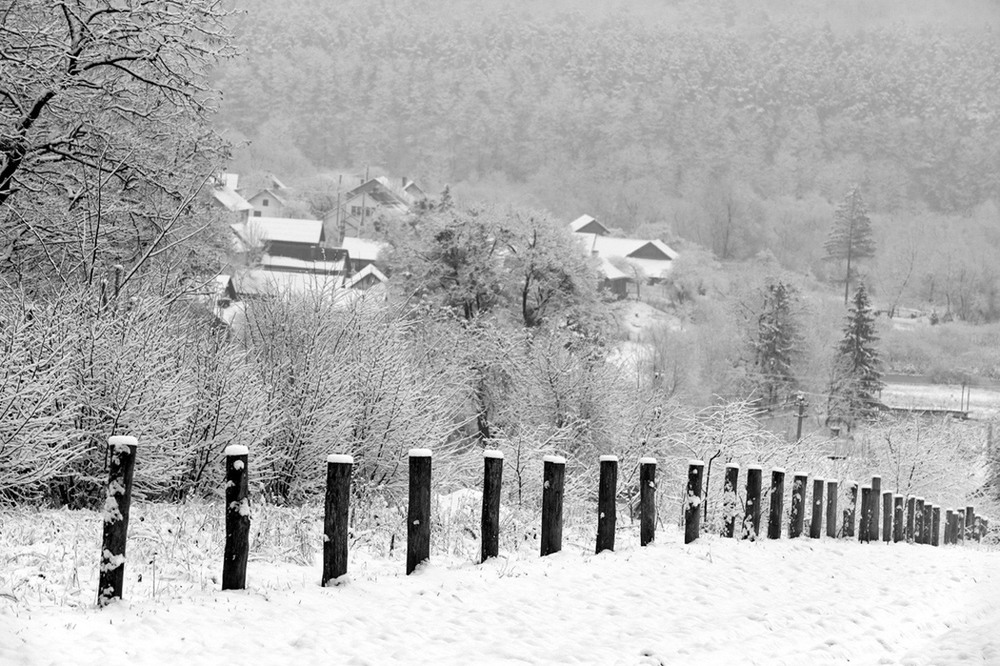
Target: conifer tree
{"points": [[851, 234], [857, 369], [777, 345]]}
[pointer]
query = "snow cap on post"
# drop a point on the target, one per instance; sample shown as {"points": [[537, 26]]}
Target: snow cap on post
{"points": [[122, 440], [420, 453], [696, 462], [559, 460], [732, 465], [340, 459], [237, 450], [647, 461], [779, 470], [609, 459], [493, 453], [756, 466]]}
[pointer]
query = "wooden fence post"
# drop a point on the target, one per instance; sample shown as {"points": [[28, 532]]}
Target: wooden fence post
{"points": [[730, 501], [876, 498], [970, 522], [960, 527], [607, 505], [116, 509], [887, 516], [936, 526], [831, 508], [418, 512], [911, 509], [797, 513], [777, 503], [918, 520], [816, 522], [751, 517], [986, 526], [898, 520], [850, 509], [554, 476], [925, 532], [865, 524], [336, 516], [977, 529], [647, 501], [692, 504], [489, 523], [949, 527], [237, 548]]}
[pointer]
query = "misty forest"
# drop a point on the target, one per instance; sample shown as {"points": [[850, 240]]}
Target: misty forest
{"points": [[823, 179]]}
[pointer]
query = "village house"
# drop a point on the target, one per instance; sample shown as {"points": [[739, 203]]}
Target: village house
{"points": [[222, 191], [362, 206], [624, 261]]}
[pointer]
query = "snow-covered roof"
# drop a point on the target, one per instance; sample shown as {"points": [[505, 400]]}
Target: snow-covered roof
{"points": [[607, 247], [230, 199], [610, 271], [299, 265], [257, 282], [582, 221], [282, 229], [362, 248], [363, 273]]}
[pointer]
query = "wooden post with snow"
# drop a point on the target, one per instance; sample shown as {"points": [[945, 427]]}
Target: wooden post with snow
{"points": [[751, 518], [693, 499], [936, 526], [490, 522], [647, 501], [777, 503], [887, 516], [970, 522], [898, 526], [336, 515], [237, 547], [925, 531], [918, 520], [960, 526], [850, 509], [116, 509], [797, 514], [607, 505], [418, 512], [949, 527], [730, 502], [876, 497], [816, 521], [911, 512], [831, 509], [865, 524], [554, 476]]}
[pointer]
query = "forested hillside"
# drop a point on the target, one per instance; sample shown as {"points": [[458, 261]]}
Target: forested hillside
{"points": [[614, 111], [737, 126]]}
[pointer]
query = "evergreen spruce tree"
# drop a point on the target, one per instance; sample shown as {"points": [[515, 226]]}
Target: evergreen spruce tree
{"points": [[851, 234], [857, 368], [777, 345]]}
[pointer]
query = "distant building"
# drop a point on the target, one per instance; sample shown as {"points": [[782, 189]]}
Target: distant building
{"points": [[223, 193], [268, 203], [623, 260]]}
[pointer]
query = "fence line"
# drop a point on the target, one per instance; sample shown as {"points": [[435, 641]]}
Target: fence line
{"points": [[922, 523]]}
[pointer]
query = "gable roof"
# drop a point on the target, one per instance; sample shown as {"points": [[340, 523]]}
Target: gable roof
{"points": [[379, 191], [653, 257], [259, 230], [588, 225], [363, 273], [280, 199]]}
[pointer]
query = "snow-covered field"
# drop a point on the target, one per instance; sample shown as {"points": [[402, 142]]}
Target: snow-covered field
{"points": [[715, 601]]}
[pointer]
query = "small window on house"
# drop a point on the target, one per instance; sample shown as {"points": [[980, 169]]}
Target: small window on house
{"points": [[355, 210], [256, 213], [265, 203]]}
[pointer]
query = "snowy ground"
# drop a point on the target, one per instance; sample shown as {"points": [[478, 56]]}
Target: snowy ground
{"points": [[712, 602]]}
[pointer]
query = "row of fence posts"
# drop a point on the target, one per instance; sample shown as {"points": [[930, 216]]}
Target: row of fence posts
{"points": [[337, 507], [921, 522]]}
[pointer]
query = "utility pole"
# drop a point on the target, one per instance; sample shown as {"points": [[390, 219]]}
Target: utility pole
{"points": [[801, 400]]}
